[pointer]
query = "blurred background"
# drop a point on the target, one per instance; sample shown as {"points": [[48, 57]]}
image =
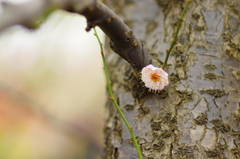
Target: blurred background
{"points": [[52, 91]]}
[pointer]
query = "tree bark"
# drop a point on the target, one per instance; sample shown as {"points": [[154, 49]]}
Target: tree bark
{"points": [[197, 115]]}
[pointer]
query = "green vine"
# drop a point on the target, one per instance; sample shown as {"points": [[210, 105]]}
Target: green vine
{"points": [[113, 99], [176, 31]]}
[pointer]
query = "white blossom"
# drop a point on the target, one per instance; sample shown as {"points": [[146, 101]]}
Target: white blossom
{"points": [[154, 78]]}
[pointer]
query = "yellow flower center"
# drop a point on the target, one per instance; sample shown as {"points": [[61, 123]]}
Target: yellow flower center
{"points": [[154, 77]]}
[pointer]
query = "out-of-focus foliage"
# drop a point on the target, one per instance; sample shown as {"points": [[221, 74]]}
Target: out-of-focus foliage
{"points": [[51, 91]]}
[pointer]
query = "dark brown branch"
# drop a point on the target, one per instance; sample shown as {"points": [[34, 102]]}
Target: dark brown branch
{"points": [[122, 40], [23, 14]]}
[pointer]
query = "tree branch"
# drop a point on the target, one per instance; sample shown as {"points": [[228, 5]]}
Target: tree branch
{"points": [[23, 14], [122, 40]]}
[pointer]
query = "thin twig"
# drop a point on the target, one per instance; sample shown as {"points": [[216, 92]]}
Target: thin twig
{"points": [[176, 31], [113, 99]]}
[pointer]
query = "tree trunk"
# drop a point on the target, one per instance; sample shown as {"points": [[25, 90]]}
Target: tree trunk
{"points": [[197, 115]]}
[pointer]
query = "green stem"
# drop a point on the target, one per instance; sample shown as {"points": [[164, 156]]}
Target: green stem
{"points": [[177, 31], [113, 99]]}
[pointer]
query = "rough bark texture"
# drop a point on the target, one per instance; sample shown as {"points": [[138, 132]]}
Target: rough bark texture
{"points": [[198, 114]]}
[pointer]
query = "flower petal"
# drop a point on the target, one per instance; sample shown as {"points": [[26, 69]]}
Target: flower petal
{"points": [[154, 78]]}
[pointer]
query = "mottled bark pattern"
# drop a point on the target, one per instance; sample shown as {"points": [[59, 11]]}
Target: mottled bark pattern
{"points": [[198, 114]]}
